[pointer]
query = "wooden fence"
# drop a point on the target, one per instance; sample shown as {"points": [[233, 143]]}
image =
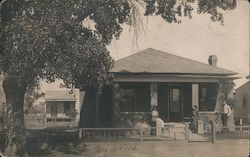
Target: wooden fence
{"points": [[233, 132], [131, 134]]}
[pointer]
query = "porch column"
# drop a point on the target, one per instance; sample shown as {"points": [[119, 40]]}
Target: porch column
{"points": [[153, 93], [195, 95], [116, 105]]}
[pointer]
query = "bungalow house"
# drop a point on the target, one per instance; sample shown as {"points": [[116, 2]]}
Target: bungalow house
{"points": [[154, 78]]}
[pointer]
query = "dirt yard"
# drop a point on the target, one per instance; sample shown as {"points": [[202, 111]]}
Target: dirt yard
{"points": [[222, 148]]}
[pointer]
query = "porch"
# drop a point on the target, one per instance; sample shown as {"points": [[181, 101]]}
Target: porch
{"points": [[60, 114], [132, 101]]}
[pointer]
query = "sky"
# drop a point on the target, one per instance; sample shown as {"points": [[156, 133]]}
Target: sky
{"points": [[195, 39]]}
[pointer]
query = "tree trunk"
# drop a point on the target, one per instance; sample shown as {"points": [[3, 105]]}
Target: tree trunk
{"points": [[14, 89]]}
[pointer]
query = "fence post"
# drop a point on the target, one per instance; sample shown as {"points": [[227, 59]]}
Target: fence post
{"points": [[213, 132], [240, 125], [186, 131], [141, 138], [80, 134]]}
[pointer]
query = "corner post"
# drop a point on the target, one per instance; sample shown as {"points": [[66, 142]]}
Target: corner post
{"points": [[153, 94]]}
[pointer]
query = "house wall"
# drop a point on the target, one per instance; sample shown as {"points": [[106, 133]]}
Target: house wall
{"points": [[242, 106]]}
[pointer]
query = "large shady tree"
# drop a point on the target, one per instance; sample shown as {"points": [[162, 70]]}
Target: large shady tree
{"points": [[47, 39]]}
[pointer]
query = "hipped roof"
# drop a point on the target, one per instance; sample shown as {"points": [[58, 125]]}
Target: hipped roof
{"points": [[158, 62]]}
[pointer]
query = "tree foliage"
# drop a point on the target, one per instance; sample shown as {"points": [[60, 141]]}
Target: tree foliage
{"points": [[31, 95], [225, 91], [47, 42], [171, 10]]}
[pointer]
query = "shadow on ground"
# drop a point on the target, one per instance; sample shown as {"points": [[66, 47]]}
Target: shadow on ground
{"points": [[51, 149]]}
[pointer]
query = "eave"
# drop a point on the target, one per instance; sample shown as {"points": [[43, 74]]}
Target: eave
{"points": [[170, 78]]}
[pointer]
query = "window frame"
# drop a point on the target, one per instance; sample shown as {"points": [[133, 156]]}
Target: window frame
{"points": [[140, 104], [125, 109], [207, 103]]}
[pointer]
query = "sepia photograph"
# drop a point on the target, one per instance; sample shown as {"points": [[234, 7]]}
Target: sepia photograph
{"points": [[124, 78]]}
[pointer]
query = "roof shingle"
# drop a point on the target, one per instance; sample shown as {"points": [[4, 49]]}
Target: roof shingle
{"points": [[155, 61]]}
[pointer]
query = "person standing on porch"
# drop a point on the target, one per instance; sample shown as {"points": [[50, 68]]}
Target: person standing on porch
{"points": [[226, 113], [195, 118]]}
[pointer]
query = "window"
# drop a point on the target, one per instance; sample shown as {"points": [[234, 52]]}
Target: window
{"points": [[175, 100], [135, 97], [60, 107], [53, 110], [67, 108], [127, 100], [207, 96]]}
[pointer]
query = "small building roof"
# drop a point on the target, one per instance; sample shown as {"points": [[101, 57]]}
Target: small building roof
{"points": [[243, 86], [59, 96], [158, 62]]}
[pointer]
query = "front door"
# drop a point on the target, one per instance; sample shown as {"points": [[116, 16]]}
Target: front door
{"points": [[175, 104]]}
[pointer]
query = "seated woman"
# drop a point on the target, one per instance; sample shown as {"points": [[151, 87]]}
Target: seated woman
{"points": [[156, 121], [155, 113]]}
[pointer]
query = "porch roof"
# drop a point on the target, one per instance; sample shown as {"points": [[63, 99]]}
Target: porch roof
{"points": [[128, 77], [59, 96], [153, 61]]}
